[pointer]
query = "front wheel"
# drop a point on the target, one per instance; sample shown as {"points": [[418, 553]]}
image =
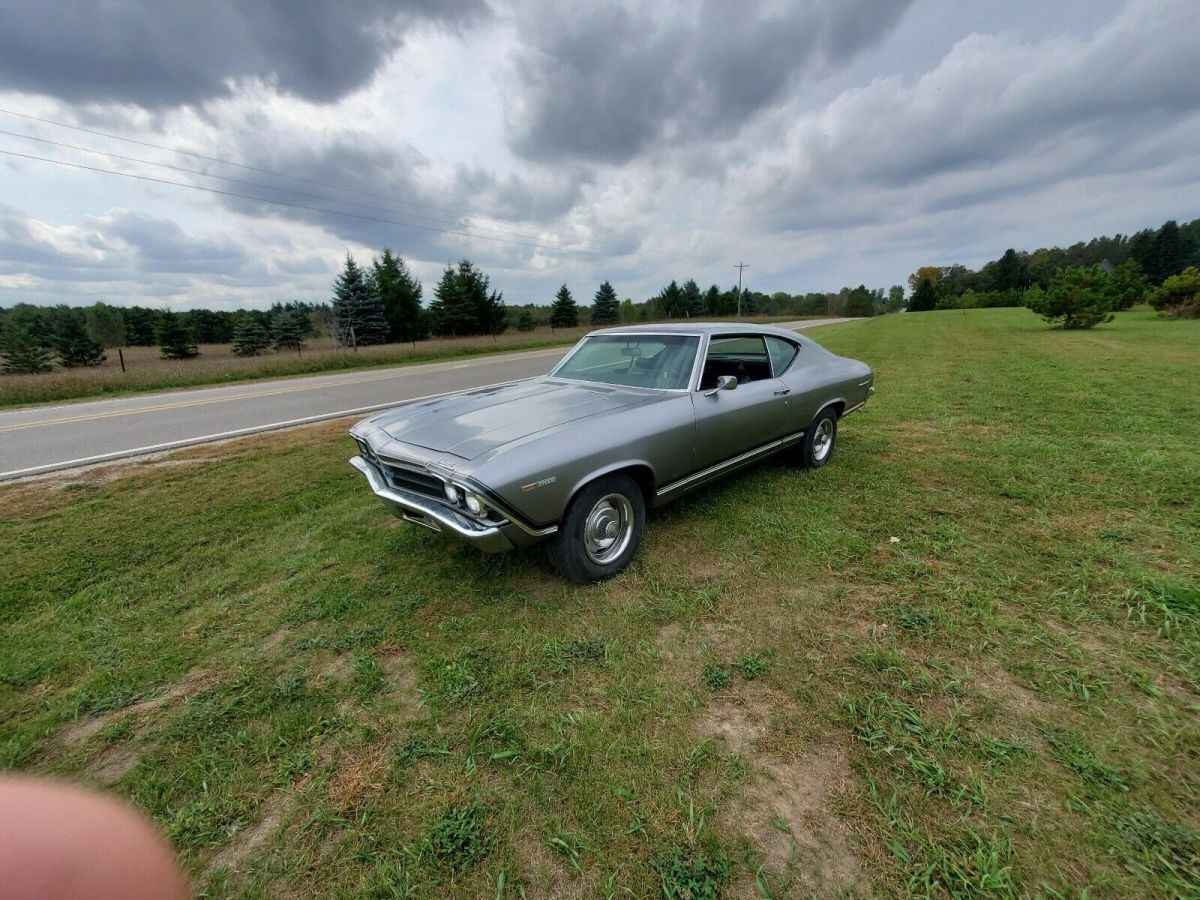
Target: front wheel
{"points": [[601, 530], [817, 446]]}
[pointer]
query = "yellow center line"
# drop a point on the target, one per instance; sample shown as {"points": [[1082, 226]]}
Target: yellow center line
{"points": [[183, 404]]}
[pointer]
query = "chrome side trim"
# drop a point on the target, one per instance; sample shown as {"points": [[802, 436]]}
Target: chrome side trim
{"points": [[728, 463], [852, 409], [432, 513]]}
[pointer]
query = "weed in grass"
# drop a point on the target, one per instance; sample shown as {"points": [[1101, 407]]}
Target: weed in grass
{"points": [[752, 666], [691, 873], [568, 846], [916, 619], [456, 839], [416, 748], [717, 677], [367, 677], [293, 764], [290, 688]]}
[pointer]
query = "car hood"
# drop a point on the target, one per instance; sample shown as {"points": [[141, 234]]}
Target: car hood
{"points": [[472, 423]]}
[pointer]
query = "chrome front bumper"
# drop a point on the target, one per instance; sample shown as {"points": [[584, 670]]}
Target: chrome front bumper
{"points": [[434, 514]]}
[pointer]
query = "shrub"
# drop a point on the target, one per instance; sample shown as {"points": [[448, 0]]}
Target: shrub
{"points": [[24, 353], [717, 677], [1077, 298], [1179, 295]]}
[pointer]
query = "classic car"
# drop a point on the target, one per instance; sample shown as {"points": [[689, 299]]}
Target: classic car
{"points": [[631, 418]]}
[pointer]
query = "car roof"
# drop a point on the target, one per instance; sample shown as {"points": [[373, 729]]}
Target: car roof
{"points": [[699, 328]]}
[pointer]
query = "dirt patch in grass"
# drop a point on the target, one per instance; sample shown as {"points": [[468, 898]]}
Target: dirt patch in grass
{"points": [[787, 805], [245, 842], [113, 764], [360, 771], [192, 683]]}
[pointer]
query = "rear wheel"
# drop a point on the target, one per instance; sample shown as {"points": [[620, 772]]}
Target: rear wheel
{"points": [[817, 446], [601, 530]]}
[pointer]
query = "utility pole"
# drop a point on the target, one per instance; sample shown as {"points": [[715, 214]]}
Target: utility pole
{"points": [[739, 267]]}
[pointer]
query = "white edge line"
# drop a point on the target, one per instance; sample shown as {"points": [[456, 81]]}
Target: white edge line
{"points": [[240, 432]]}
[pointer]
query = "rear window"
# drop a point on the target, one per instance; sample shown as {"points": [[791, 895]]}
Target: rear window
{"points": [[782, 353]]}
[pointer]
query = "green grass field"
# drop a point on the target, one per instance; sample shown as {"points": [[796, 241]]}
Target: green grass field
{"points": [[961, 660]]}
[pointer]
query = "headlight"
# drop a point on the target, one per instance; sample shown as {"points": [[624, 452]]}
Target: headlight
{"points": [[474, 504], [451, 493]]}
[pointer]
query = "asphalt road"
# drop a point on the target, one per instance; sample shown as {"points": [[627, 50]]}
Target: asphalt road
{"points": [[41, 439]]}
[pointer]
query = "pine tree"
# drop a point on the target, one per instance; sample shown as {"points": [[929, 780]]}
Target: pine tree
{"points": [[1168, 254], [1129, 285], [860, 302], [1077, 298], [23, 351], [250, 338], [563, 312], [174, 337], [400, 293], [924, 296], [358, 313], [671, 301], [693, 301], [106, 325], [605, 310], [525, 321], [71, 342], [288, 328]]}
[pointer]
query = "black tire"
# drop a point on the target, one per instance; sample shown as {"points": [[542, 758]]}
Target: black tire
{"points": [[578, 551], [820, 438]]}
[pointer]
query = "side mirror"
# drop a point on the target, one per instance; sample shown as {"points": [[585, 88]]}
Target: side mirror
{"points": [[724, 383]]}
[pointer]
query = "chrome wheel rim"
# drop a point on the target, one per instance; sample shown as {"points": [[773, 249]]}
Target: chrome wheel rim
{"points": [[823, 439], [608, 528]]}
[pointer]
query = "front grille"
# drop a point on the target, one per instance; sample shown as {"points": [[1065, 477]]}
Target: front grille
{"points": [[413, 479]]}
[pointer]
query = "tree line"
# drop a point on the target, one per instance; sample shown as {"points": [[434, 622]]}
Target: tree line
{"points": [[1080, 286]]}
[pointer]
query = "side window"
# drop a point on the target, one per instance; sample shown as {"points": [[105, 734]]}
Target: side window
{"points": [[782, 354], [744, 356]]}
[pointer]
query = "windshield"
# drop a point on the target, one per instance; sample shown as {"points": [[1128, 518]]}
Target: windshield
{"points": [[661, 361]]}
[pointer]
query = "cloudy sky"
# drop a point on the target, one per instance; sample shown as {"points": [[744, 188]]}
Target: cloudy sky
{"points": [[825, 143]]}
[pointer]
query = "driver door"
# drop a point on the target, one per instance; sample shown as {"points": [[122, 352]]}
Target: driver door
{"points": [[732, 422]]}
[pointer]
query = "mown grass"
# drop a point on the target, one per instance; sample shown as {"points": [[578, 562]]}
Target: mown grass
{"points": [[959, 661], [146, 370]]}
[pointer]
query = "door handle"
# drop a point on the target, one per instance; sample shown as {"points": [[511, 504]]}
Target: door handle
{"points": [[782, 391]]}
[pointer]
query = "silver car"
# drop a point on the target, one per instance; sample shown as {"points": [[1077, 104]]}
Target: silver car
{"points": [[632, 418]]}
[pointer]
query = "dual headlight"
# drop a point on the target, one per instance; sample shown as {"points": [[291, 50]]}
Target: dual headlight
{"points": [[460, 497]]}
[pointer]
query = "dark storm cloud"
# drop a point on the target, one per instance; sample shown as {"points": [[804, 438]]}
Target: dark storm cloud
{"points": [[160, 245], [605, 83], [997, 120], [390, 196], [162, 53]]}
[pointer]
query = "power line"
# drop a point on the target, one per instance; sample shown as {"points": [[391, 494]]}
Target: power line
{"points": [[297, 178], [293, 191], [332, 212]]}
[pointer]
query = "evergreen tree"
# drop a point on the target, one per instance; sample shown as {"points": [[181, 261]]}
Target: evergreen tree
{"points": [[106, 325], [358, 315], [450, 312], [692, 300], [860, 302], [486, 305], [23, 351], [749, 303], [924, 296], [1077, 298], [712, 300], [605, 310], [1168, 254], [671, 301], [400, 293], [71, 342], [174, 338], [288, 328], [250, 338], [525, 321], [1011, 272], [563, 312], [1129, 285]]}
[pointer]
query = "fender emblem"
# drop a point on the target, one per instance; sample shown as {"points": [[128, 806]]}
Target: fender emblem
{"points": [[534, 485]]}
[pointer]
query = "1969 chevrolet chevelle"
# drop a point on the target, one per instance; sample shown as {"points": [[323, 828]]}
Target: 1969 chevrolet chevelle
{"points": [[631, 418]]}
